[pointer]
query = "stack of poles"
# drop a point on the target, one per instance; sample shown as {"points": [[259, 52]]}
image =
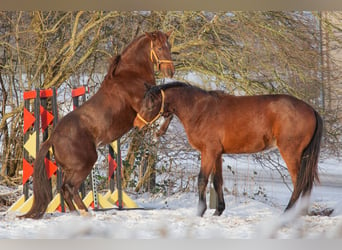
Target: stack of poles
{"points": [[40, 112]]}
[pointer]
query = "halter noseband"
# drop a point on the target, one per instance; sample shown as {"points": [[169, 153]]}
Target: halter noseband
{"points": [[158, 115], [154, 55]]}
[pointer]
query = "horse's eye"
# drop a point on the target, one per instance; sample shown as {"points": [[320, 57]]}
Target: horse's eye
{"points": [[160, 48], [150, 108]]}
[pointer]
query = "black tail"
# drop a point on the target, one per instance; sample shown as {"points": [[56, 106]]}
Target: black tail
{"points": [[308, 172], [42, 192]]}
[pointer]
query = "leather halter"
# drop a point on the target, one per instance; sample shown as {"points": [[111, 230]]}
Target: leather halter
{"points": [[158, 115], [155, 57]]}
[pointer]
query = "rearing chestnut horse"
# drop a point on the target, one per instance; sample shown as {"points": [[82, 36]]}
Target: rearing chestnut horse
{"points": [[105, 117], [218, 123]]}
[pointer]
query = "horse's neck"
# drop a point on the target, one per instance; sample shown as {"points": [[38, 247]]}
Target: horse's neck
{"points": [[137, 59], [181, 104], [133, 70]]}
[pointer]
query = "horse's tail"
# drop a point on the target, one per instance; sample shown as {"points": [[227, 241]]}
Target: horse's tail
{"points": [[42, 192], [308, 172]]}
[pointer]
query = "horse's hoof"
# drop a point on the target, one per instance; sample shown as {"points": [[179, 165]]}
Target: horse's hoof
{"points": [[84, 213], [217, 213], [200, 214], [201, 209]]}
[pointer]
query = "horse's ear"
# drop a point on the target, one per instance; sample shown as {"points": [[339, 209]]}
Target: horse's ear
{"points": [[151, 35], [168, 34]]}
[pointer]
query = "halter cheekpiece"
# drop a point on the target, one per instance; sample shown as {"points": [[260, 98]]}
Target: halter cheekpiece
{"points": [[161, 111], [156, 59]]}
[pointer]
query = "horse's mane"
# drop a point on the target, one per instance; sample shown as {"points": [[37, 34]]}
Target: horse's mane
{"points": [[113, 65], [132, 43], [176, 84], [114, 61], [156, 89], [217, 93]]}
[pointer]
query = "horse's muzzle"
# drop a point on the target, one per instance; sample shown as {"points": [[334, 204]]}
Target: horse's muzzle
{"points": [[137, 123], [167, 69]]}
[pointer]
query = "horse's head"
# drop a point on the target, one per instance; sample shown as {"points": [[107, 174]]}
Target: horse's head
{"points": [[152, 107], [161, 52]]}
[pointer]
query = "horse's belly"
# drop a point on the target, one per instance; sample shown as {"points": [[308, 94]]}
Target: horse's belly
{"points": [[248, 144]]}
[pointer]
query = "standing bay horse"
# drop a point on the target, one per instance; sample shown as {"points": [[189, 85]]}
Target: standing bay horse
{"points": [[105, 117], [218, 123]]}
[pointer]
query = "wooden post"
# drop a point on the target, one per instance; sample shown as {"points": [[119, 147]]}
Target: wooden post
{"points": [[213, 199], [111, 177], [59, 170], [26, 155]]}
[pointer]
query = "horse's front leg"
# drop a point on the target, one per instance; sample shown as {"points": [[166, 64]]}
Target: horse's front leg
{"points": [[218, 182], [207, 163], [164, 126], [202, 185]]}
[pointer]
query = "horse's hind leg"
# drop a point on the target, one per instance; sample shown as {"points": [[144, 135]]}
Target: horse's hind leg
{"points": [[76, 181], [68, 196], [77, 167], [292, 159], [70, 192], [293, 167], [80, 204], [218, 182]]}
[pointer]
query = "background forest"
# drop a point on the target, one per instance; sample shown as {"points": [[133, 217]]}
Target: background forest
{"points": [[242, 53]]}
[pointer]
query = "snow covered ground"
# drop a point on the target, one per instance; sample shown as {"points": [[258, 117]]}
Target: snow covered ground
{"points": [[253, 210]]}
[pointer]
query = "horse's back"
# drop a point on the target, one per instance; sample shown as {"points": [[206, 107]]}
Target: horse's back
{"points": [[255, 123], [269, 108], [294, 124], [292, 114]]}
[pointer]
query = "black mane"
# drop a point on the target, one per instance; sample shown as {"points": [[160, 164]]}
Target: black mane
{"points": [[155, 90]]}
